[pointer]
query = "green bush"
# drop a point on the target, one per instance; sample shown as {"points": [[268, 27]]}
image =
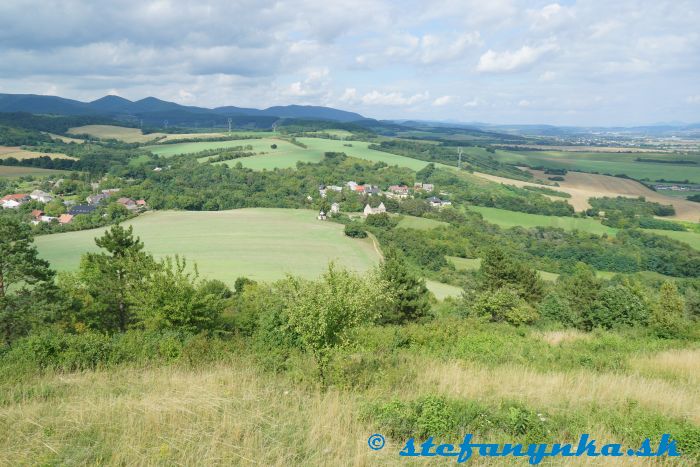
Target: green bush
{"points": [[355, 231]]}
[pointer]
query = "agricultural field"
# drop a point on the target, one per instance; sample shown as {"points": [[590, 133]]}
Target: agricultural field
{"points": [[66, 139], [17, 171], [20, 154], [611, 163], [508, 219], [287, 154], [262, 244], [582, 186], [127, 135]]}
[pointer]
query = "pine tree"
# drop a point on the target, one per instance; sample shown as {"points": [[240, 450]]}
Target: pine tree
{"points": [[411, 299], [23, 277], [108, 278], [499, 270]]}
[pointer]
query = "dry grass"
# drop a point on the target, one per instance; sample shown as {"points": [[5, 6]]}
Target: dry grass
{"points": [[233, 414], [682, 364], [557, 337], [127, 135], [582, 186], [168, 416], [19, 153], [562, 390]]}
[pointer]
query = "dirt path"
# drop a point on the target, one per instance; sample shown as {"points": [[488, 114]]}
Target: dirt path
{"points": [[582, 186]]}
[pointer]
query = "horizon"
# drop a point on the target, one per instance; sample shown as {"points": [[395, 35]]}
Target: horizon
{"points": [[572, 63]]}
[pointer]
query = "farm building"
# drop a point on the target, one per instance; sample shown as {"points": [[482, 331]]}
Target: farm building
{"points": [[41, 196], [96, 199], [65, 219], [370, 210], [13, 201], [128, 203]]}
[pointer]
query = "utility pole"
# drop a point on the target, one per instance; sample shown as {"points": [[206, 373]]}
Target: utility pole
{"points": [[229, 125], [459, 163], [165, 123]]}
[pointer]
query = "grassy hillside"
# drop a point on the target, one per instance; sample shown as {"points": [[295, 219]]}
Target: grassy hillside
{"points": [[508, 219], [607, 163], [217, 406], [287, 154], [263, 244], [17, 171], [20, 154], [127, 135]]}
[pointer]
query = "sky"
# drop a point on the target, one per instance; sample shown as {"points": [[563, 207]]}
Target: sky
{"points": [[621, 62]]}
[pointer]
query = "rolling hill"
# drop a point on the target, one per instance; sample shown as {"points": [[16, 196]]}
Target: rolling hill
{"points": [[151, 107]]}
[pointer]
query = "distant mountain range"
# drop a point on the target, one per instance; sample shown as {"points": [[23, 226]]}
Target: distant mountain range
{"points": [[155, 111]]}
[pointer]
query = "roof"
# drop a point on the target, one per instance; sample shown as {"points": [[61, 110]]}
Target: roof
{"points": [[37, 213], [434, 199], [125, 201], [81, 209], [16, 197], [141, 202], [65, 218]]}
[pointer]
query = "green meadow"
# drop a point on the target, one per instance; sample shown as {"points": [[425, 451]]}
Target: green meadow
{"points": [[262, 244], [608, 163], [7, 171], [286, 154], [508, 219]]}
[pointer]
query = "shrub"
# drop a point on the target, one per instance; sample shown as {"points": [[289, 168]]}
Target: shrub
{"points": [[616, 306], [355, 231]]}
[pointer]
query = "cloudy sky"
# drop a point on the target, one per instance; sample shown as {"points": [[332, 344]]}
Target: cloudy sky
{"points": [[503, 61]]}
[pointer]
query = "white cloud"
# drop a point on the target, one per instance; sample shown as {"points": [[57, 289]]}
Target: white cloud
{"points": [[547, 76], [693, 99], [442, 100], [476, 102], [499, 62], [393, 98], [550, 17], [524, 103]]}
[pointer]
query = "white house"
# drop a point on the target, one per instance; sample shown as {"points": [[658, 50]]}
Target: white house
{"points": [[335, 208], [41, 196], [370, 210]]}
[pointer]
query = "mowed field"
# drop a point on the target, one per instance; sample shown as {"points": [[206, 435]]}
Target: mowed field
{"points": [[582, 186], [509, 219], [127, 135], [612, 163], [287, 154], [16, 172], [20, 154], [262, 244]]}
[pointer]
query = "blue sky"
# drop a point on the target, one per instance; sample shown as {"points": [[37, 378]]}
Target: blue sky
{"points": [[500, 61]]}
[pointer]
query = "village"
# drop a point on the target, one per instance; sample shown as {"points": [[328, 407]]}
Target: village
{"points": [[394, 192], [49, 208]]}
